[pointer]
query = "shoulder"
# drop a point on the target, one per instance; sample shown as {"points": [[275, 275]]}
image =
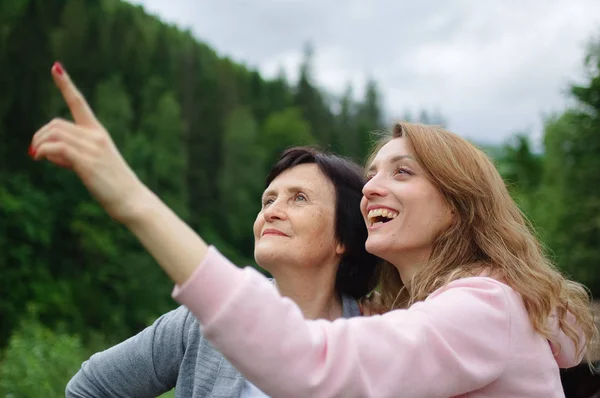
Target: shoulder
{"points": [[203, 368], [193, 340], [178, 319], [190, 327], [478, 286], [472, 301]]}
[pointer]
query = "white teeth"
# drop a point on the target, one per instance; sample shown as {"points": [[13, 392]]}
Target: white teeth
{"points": [[391, 214]]}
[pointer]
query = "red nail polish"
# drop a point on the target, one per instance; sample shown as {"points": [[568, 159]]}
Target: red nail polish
{"points": [[58, 68], [31, 151]]}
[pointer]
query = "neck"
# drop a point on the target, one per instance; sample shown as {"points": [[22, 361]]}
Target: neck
{"points": [[313, 289], [407, 263]]}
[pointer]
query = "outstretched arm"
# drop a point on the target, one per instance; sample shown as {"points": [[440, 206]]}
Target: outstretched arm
{"points": [[455, 342]]}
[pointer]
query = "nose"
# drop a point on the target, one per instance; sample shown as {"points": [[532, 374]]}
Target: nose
{"points": [[275, 211], [374, 188]]}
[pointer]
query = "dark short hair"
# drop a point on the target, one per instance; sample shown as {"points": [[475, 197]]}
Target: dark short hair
{"points": [[356, 275]]}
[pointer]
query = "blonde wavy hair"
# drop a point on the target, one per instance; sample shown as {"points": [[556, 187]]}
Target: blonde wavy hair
{"points": [[488, 235]]}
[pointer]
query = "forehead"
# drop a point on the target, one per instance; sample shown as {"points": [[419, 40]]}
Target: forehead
{"points": [[307, 176], [395, 147], [393, 150]]}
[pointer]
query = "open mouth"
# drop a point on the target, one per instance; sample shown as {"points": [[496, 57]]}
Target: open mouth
{"points": [[381, 216]]}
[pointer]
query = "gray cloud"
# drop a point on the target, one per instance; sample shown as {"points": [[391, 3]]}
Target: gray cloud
{"points": [[491, 68]]}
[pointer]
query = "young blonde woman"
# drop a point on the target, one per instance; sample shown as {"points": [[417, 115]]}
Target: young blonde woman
{"points": [[478, 310]]}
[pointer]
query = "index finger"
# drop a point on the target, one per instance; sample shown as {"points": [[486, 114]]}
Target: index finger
{"points": [[80, 110]]}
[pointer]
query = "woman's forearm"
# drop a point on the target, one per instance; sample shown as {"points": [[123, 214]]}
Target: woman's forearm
{"points": [[172, 243]]}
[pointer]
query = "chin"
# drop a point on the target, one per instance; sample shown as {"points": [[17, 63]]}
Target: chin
{"points": [[266, 256], [378, 247]]}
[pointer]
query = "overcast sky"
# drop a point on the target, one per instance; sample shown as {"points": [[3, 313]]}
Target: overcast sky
{"points": [[490, 68]]}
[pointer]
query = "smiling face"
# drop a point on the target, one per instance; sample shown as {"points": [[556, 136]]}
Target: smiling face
{"points": [[403, 210], [295, 226]]}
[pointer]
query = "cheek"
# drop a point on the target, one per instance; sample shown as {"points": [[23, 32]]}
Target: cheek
{"points": [[424, 210], [446, 218], [319, 223], [363, 207], [440, 215], [321, 227], [258, 225]]}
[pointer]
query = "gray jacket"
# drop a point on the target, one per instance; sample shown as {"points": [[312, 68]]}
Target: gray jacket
{"points": [[171, 353]]}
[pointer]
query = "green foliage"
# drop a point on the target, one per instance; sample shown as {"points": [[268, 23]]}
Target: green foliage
{"points": [[283, 130], [39, 362], [572, 185], [113, 107], [356, 123], [198, 129], [560, 188], [239, 187], [311, 102], [169, 394], [521, 169], [368, 119]]}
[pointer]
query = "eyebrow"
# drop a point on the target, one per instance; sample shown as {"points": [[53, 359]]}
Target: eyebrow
{"points": [[393, 160]]}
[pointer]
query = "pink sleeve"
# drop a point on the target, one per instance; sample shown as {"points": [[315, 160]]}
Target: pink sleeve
{"points": [[563, 348], [456, 341]]}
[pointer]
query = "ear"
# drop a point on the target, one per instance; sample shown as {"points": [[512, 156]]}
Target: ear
{"points": [[340, 249], [453, 217]]}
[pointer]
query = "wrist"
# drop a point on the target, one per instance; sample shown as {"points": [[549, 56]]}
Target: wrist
{"points": [[138, 208]]}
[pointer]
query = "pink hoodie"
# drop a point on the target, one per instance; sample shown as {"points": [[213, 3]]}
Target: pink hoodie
{"points": [[471, 338]]}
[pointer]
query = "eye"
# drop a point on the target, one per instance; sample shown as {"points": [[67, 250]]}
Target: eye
{"points": [[267, 201], [403, 170], [300, 197], [369, 177]]}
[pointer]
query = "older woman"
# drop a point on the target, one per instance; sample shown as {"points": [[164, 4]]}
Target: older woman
{"points": [[478, 309], [309, 235]]}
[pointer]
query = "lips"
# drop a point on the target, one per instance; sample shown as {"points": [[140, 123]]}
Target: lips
{"points": [[273, 231]]}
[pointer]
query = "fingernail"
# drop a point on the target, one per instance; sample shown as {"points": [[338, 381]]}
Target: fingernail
{"points": [[58, 68], [31, 151]]}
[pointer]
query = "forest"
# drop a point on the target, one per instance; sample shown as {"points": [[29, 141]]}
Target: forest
{"points": [[201, 130]]}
